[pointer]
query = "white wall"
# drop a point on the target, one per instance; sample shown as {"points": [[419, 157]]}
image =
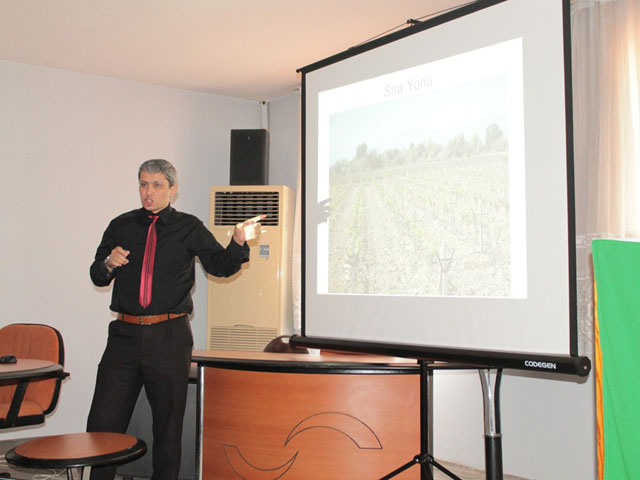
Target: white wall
{"points": [[548, 424], [284, 137], [70, 147]]}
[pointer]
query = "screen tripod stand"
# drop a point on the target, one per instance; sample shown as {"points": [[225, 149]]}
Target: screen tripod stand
{"points": [[493, 445]]}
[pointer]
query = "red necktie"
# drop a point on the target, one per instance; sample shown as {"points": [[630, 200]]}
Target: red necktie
{"points": [[146, 279]]}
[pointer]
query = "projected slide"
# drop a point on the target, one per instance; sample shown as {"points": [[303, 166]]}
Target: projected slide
{"points": [[423, 174]]}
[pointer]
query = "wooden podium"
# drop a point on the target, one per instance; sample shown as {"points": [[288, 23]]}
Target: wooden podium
{"points": [[304, 416]]}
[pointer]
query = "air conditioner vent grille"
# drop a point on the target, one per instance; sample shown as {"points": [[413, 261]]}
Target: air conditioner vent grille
{"points": [[242, 338], [234, 207]]}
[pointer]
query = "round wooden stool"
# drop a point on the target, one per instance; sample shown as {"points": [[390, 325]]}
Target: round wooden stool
{"points": [[74, 451]]}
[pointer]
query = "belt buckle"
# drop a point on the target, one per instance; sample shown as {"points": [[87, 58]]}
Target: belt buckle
{"points": [[140, 320]]}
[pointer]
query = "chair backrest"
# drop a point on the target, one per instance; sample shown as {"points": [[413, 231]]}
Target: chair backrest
{"points": [[281, 345], [40, 342]]}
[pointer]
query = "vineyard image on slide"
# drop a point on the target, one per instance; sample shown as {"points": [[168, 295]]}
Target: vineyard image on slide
{"points": [[421, 212]]}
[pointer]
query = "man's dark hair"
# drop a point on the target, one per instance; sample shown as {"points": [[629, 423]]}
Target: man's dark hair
{"points": [[158, 165]]}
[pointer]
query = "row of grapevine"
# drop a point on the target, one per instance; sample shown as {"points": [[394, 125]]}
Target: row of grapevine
{"points": [[440, 229]]}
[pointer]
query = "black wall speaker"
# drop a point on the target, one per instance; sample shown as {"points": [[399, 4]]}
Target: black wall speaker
{"points": [[249, 157]]}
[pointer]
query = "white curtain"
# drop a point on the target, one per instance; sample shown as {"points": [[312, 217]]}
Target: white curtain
{"points": [[606, 114], [606, 59]]}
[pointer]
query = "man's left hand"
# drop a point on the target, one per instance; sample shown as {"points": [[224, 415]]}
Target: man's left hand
{"points": [[247, 230]]}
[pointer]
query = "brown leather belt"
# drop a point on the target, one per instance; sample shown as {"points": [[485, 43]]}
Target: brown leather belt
{"points": [[148, 319]]}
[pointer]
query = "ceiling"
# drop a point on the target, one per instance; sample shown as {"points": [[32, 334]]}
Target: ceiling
{"points": [[239, 48]]}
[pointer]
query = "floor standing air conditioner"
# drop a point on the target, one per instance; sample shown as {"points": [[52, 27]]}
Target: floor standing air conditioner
{"points": [[253, 306]]}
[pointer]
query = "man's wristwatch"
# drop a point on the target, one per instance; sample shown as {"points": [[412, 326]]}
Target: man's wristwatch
{"points": [[110, 270]]}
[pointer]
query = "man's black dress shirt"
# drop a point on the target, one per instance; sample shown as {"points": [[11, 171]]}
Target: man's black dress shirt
{"points": [[181, 237]]}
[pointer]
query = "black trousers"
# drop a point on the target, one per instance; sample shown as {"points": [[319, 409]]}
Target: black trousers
{"points": [[157, 356]]}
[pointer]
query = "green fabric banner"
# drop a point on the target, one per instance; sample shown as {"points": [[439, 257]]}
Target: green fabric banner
{"points": [[617, 278]]}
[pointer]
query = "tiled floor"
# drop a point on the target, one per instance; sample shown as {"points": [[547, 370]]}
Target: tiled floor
{"points": [[466, 473]]}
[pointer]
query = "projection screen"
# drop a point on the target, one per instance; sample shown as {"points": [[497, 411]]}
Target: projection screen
{"points": [[438, 189]]}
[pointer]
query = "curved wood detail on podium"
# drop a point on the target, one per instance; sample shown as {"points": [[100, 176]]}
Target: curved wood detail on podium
{"points": [[267, 425]]}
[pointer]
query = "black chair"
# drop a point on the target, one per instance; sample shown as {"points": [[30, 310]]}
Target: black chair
{"points": [[281, 345]]}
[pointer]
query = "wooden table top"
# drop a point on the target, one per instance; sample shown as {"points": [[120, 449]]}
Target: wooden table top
{"points": [[307, 362], [27, 367], [76, 450]]}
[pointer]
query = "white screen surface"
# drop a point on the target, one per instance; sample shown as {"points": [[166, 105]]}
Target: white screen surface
{"points": [[436, 208]]}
